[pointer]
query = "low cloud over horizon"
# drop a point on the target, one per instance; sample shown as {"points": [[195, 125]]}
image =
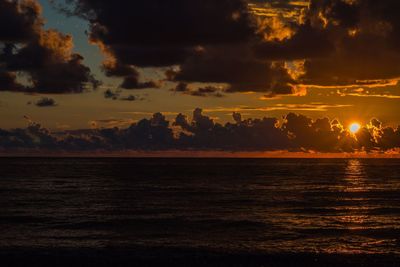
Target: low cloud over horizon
{"points": [[295, 133]]}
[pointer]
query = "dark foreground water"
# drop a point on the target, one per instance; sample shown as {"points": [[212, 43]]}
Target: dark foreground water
{"points": [[199, 212]]}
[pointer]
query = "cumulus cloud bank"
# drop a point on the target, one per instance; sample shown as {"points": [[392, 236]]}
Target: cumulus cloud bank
{"points": [[296, 133]]}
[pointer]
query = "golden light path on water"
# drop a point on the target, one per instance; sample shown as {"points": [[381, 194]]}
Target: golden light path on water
{"points": [[357, 216]]}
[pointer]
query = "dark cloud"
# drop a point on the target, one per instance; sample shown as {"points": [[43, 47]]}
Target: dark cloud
{"points": [[129, 74], [307, 42], [343, 42], [157, 23], [110, 94], [156, 56], [181, 87], [44, 55], [236, 67], [130, 98], [207, 91], [388, 138], [210, 40], [334, 42], [295, 133], [132, 82], [32, 137], [155, 33], [319, 135], [116, 95], [46, 102], [70, 76], [184, 88], [8, 82], [340, 42], [19, 20]]}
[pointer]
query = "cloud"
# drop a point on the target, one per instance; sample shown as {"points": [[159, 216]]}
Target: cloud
{"points": [[109, 94], [46, 102], [184, 88], [132, 82], [8, 81], [161, 31], [235, 65], [116, 95], [19, 20], [111, 123], [288, 107], [295, 132], [370, 92], [211, 42], [207, 91], [246, 46], [32, 137], [343, 42], [307, 42], [131, 98], [44, 55], [129, 74]]}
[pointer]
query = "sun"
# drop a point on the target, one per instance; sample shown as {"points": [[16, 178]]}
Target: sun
{"points": [[354, 127]]}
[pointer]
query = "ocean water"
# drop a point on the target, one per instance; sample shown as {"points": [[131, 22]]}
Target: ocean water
{"points": [[257, 206]]}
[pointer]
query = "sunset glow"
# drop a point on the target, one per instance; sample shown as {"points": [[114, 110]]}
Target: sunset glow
{"points": [[200, 133], [148, 76]]}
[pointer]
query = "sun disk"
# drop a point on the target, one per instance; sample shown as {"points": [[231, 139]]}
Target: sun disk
{"points": [[354, 127]]}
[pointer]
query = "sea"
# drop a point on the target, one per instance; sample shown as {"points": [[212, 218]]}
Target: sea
{"points": [[199, 212]]}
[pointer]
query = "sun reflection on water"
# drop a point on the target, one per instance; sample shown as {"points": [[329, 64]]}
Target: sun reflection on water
{"points": [[351, 216], [354, 169], [355, 215], [355, 176]]}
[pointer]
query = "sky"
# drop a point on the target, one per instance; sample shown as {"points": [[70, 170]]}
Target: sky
{"points": [[85, 64]]}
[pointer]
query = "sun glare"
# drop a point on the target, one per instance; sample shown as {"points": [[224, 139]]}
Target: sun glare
{"points": [[354, 127]]}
